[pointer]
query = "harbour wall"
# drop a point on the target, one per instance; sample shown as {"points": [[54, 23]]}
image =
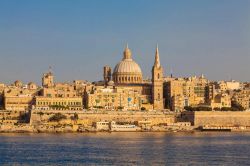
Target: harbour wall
{"points": [[217, 118], [88, 117]]}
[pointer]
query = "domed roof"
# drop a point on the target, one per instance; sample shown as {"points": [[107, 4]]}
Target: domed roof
{"points": [[127, 65], [31, 83], [111, 83], [18, 83]]}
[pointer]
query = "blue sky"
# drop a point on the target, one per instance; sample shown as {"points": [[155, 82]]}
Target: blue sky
{"points": [[78, 37]]}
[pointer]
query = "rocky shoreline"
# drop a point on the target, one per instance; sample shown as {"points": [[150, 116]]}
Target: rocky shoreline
{"points": [[78, 129]]}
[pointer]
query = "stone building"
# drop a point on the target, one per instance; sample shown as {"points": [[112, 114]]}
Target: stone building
{"points": [[128, 74], [127, 71], [191, 90], [2, 86], [20, 97], [242, 98], [114, 98], [228, 85], [177, 103], [220, 100], [58, 103]]}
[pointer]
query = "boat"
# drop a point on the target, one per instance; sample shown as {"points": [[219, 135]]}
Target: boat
{"points": [[126, 127]]}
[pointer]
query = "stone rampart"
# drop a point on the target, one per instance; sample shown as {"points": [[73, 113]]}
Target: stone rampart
{"points": [[218, 118], [89, 117]]}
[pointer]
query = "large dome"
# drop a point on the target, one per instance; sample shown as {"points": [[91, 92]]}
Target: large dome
{"points": [[127, 66], [127, 70]]}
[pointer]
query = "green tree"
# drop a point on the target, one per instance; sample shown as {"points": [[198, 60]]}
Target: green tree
{"points": [[41, 114], [57, 117], [74, 117]]}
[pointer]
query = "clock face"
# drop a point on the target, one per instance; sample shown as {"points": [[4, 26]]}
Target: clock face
{"points": [[129, 99]]}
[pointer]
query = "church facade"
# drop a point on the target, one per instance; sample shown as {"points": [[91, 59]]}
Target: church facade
{"points": [[128, 74]]}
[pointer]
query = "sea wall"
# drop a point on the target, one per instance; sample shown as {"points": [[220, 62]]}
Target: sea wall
{"points": [[218, 118], [88, 117]]}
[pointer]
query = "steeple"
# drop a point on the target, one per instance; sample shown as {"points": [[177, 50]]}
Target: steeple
{"points": [[157, 83], [157, 58], [127, 53]]}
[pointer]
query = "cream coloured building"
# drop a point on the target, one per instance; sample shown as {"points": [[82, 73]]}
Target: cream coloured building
{"points": [[191, 90], [128, 74], [58, 103], [220, 100], [19, 97], [116, 98], [242, 98]]}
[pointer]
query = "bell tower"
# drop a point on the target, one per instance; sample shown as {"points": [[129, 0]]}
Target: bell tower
{"points": [[157, 83], [48, 79], [107, 72]]}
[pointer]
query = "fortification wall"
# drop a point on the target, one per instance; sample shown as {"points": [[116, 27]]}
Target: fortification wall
{"points": [[218, 118], [89, 117]]}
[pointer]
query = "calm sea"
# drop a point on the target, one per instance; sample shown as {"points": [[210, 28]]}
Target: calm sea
{"points": [[125, 149]]}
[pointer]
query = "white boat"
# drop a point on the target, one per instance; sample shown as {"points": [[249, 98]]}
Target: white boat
{"points": [[127, 127]]}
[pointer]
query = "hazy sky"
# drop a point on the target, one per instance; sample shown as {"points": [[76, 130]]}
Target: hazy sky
{"points": [[78, 37]]}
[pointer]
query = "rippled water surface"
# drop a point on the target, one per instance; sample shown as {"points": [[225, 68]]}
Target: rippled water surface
{"points": [[125, 149]]}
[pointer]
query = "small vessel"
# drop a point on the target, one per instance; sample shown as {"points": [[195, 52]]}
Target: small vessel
{"points": [[126, 127]]}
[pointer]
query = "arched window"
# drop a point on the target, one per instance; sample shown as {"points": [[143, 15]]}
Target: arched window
{"points": [[159, 96], [158, 75]]}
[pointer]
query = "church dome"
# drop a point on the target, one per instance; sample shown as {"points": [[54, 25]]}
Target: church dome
{"points": [[18, 83], [127, 70], [127, 66]]}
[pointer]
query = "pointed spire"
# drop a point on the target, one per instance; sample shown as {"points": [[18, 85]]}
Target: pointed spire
{"points": [[157, 57]]}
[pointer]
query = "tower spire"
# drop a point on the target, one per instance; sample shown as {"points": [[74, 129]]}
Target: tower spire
{"points": [[157, 83], [157, 58]]}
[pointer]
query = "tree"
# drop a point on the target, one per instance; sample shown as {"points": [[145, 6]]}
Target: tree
{"points": [[237, 107], [74, 118], [189, 108], [57, 117], [41, 114]]}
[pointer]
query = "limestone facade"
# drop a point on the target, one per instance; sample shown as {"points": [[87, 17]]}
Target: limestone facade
{"points": [[19, 97], [218, 118], [114, 98], [191, 90], [58, 103]]}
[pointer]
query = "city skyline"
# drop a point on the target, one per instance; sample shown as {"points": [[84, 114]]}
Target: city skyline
{"points": [[78, 38]]}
